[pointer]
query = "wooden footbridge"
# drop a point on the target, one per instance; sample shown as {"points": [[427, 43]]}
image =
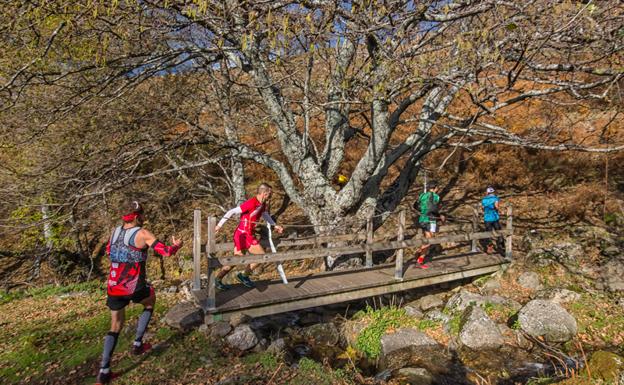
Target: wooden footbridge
{"points": [[323, 288]]}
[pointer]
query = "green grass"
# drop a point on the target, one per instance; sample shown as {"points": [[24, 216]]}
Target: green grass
{"points": [[46, 334], [265, 359], [599, 317], [49, 290], [181, 358], [380, 321], [455, 324], [66, 344], [311, 372], [427, 324]]}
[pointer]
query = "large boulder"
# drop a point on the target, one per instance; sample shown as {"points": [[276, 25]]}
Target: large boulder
{"points": [[530, 280], [429, 302], [220, 329], [410, 347], [322, 334], [242, 338], [546, 319], [595, 236], [463, 299], [414, 376], [491, 286], [184, 316], [351, 330], [239, 319], [559, 296], [277, 347], [437, 315], [478, 331], [413, 312], [567, 254], [612, 274]]}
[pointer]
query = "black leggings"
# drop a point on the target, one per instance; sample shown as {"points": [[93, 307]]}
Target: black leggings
{"points": [[500, 241]]}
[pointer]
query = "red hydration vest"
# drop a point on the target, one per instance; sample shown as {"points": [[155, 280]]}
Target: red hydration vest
{"points": [[127, 270]]}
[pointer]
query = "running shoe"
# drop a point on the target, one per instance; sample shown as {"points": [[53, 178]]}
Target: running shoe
{"points": [[141, 349], [245, 280], [221, 286], [421, 263], [105, 378]]}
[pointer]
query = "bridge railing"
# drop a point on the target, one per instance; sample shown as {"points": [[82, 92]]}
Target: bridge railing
{"points": [[365, 243]]}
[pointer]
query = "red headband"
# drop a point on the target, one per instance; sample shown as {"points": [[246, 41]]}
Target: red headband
{"points": [[130, 217]]}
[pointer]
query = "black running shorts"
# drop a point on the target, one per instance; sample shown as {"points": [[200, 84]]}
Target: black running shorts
{"points": [[494, 225], [119, 302]]}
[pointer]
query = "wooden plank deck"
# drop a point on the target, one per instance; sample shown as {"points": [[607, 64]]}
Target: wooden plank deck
{"points": [[271, 297]]}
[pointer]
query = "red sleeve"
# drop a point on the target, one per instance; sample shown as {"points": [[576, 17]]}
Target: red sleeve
{"points": [[108, 248], [164, 250], [248, 205]]}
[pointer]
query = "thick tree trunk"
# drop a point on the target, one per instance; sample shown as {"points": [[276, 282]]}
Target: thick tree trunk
{"points": [[47, 226]]}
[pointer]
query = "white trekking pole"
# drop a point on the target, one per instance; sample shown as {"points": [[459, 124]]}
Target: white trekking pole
{"points": [[280, 268]]}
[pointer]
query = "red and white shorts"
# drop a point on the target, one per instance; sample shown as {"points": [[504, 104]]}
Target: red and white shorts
{"points": [[243, 240]]}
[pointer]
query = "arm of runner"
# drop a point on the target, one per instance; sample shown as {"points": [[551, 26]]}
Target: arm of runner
{"points": [[158, 246], [267, 217], [108, 248], [228, 215]]}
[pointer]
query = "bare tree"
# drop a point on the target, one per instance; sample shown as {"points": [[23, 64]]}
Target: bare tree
{"points": [[389, 80]]}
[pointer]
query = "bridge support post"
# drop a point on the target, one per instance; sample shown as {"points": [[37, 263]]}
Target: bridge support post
{"points": [[369, 241], [475, 227], [197, 249], [398, 269], [509, 225], [212, 272]]}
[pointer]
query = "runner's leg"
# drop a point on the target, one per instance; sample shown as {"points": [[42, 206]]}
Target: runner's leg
{"points": [[144, 319], [225, 269], [110, 341], [254, 249], [422, 251]]}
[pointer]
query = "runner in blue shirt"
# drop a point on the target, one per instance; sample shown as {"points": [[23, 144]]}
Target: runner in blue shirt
{"points": [[491, 218]]}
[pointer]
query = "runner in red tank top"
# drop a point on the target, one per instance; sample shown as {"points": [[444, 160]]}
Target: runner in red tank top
{"points": [[251, 211], [127, 282]]}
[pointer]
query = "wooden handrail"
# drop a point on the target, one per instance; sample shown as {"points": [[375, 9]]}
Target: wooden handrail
{"points": [[196, 249], [235, 260], [367, 243], [314, 240]]}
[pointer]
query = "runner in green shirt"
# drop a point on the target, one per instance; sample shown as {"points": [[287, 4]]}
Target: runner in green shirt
{"points": [[428, 204]]}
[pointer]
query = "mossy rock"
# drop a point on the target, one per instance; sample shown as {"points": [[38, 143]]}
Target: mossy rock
{"points": [[606, 365]]}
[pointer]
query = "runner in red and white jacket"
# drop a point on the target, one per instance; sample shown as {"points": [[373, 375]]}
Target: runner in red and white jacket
{"points": [[127, 281], [251, 211]]}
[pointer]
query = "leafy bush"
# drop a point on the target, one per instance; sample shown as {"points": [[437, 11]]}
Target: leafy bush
{"points": [[380, 321]]}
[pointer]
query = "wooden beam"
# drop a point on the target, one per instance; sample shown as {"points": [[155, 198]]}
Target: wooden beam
{"points": [[369, 241], [359, 236], [509, 225], [398, 267], [212, 272], [343, 250], [475, 228], [197, 249]]}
